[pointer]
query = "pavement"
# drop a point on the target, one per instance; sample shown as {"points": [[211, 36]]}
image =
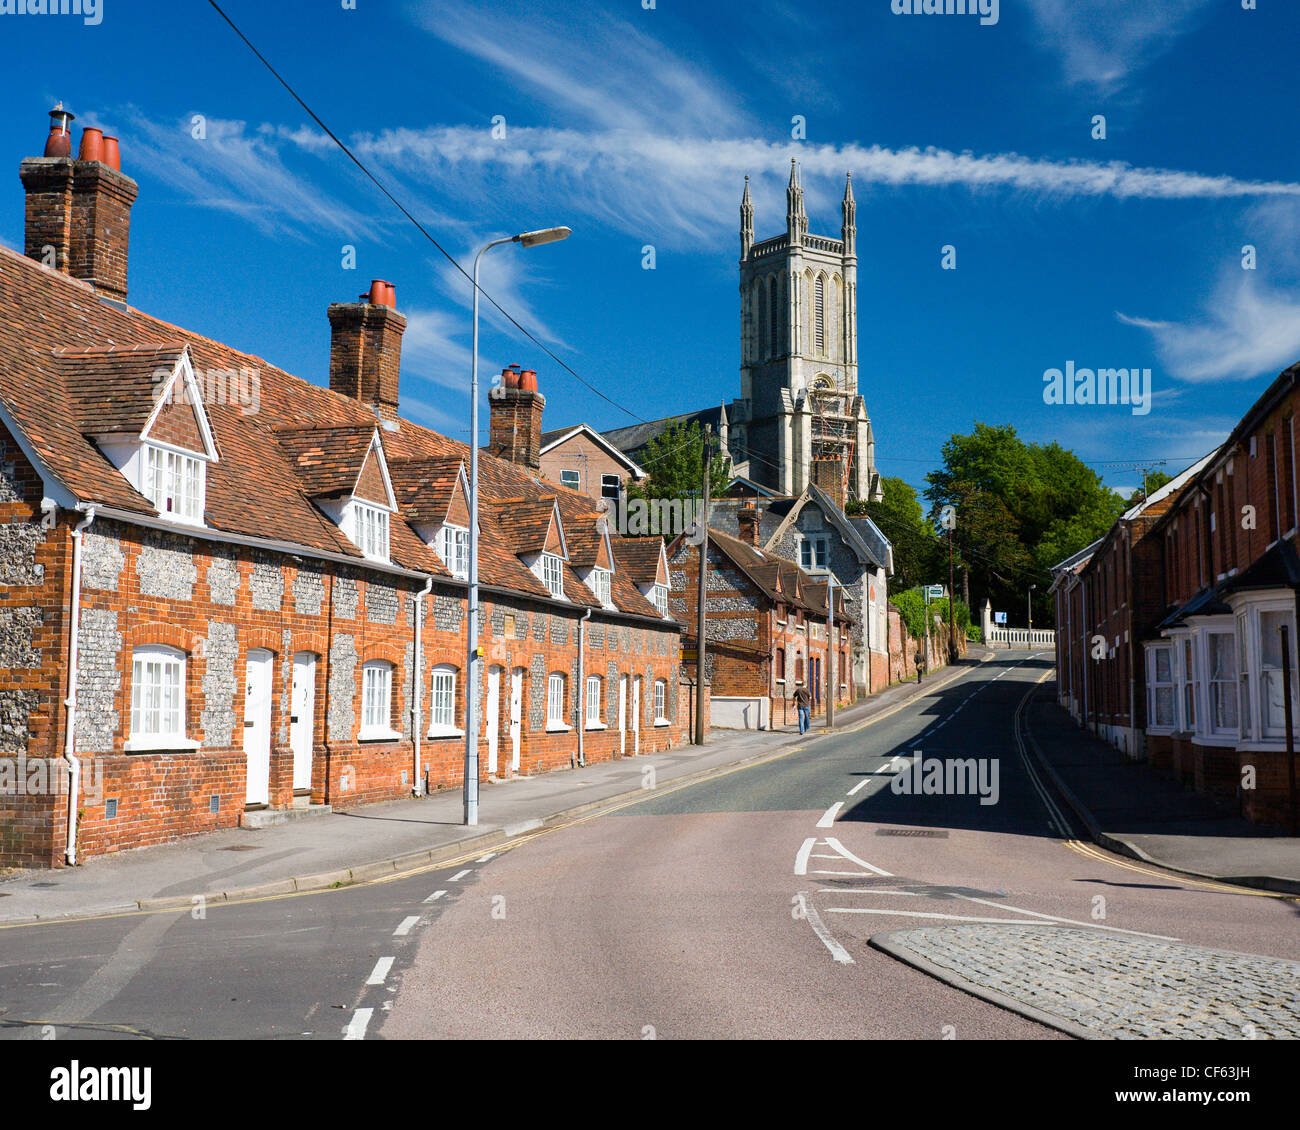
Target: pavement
{"points": [[380, 840], [1135, 810]]}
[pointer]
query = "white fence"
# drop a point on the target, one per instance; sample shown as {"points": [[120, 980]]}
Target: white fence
{"points": [[1023, 638]]}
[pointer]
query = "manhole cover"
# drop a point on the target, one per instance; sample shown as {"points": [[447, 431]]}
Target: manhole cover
{"points": [[926, 833], [242, 847]]}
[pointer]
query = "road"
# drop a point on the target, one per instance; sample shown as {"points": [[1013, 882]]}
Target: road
{"points": [[740, 907]]}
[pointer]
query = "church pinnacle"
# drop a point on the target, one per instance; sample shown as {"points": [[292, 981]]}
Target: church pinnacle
{"points": [[849, 229], [746, 222], [796, 219]]}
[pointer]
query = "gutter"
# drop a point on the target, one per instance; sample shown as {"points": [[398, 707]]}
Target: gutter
{"points": [[417, 686], [70, 735], [580, 691]]}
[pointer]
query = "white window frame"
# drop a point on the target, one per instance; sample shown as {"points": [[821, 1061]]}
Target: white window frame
{"points": [[600, 581], [453, 548], [571, 478], [659, 598], [442, 702], [1250, 608], [661, 702], [1206, 730], [377, 702], [550, 568], [182, 493], [1155, 685], [593, 721], [811, 547], [556, 687], [606, 485], [161, 669], [370, 529]]}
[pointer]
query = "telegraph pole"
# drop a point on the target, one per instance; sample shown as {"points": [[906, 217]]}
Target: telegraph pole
{"points": [[952, 621], [706, 461], [831, 644]]}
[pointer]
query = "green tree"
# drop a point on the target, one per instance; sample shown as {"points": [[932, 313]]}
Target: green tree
{"points": [[673, 461], [1020, 509], [898, 515]]}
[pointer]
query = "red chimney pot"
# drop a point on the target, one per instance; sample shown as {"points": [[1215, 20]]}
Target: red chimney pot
{"points": [[59, 142], [528, 380], [112, 153], [509, 378], [92, 145]]}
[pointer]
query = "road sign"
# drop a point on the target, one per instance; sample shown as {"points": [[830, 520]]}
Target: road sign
{"points": [[934, 592], [999, 617]]}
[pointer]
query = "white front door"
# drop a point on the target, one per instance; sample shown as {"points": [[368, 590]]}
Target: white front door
{"points": [[636, 715], [257, 724], [492, 726], [516, 715], [622, 715], [302, 712]]}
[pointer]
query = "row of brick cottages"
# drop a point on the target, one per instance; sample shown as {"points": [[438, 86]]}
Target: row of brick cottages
{"points": [[211, 600], [1171, 628]]}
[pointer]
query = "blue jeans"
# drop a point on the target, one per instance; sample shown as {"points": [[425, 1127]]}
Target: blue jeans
{"points": [[803, 719]]}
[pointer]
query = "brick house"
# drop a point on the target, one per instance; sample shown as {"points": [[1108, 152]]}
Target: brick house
{"points": [[227, 592], [1216, 576], [1111, 589], [812, 530], [582, 459], [766, 623]]}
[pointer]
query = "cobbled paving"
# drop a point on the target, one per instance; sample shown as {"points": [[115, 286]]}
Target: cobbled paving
{"points": [[1117, 986]]}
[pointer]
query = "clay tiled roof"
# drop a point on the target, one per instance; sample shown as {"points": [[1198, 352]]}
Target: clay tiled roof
{"points": [[327, 461], [115, 389], [72, 367], [776, 577]]}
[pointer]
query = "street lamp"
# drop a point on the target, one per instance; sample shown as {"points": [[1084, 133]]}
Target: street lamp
{"points": [[1029, 601], [470, 784]]}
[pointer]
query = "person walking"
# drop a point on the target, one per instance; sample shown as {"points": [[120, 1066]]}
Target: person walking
{"points": [[803, 700]]}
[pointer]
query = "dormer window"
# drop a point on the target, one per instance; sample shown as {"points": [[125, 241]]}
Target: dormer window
{"points": [[598, 582], [370, 530], [659, 598], [174, 482], [453, 548], [552, 573]]}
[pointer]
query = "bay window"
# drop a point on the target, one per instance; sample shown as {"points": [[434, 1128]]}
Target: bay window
{"points": [[1221, 682], [1160, 688]]}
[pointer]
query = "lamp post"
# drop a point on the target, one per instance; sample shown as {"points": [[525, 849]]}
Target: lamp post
{"points": [[470, 784], [1029, 608]]}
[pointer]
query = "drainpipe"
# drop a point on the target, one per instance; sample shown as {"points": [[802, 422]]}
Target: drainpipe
{"points": [[581, 689], [417, 688], [70, 736]]}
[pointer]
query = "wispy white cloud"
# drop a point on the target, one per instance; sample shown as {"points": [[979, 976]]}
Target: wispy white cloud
{"points": [[1247, 331], [241, 170], [685, 189], [1102, 44]]}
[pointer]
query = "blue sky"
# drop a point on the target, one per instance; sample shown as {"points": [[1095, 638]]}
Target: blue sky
{"points": [[637, 126]]}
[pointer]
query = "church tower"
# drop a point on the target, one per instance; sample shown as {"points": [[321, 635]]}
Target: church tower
{"points": [[800, 416]]}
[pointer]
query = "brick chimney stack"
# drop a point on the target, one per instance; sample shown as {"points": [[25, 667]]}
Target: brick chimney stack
{"points": [[515, 432], [828, 474], [366, 348], [78, 212], [747, 518]]}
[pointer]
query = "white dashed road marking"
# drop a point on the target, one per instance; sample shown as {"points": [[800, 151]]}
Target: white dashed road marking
{"points": [[405, 926], [380, 971], [459, 876], [356, 1030], [435, 896], [801, 860]]}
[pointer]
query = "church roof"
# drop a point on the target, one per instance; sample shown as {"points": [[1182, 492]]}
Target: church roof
{"points": [[633, 439]]}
